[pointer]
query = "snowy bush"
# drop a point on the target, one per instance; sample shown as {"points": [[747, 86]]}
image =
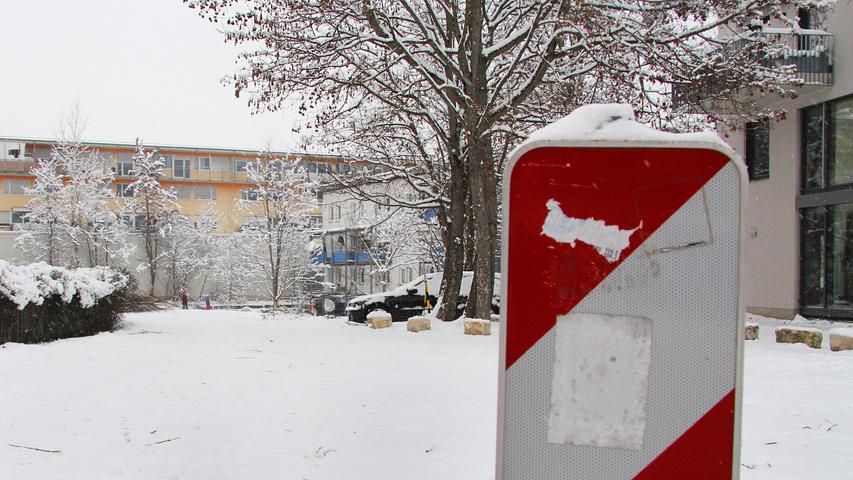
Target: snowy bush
{"points": [[32, 284], [39, 303]]}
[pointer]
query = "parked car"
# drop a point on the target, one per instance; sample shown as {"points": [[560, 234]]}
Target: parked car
{"points": [[410, 299]]}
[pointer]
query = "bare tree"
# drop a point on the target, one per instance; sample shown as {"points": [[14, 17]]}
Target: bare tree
{"points": [[277, 210], [187, 249], [478, 73], [46, 235], [230, 274], [155, 206], [71, 216]]}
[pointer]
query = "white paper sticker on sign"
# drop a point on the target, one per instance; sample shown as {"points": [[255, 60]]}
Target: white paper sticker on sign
{"points": [[600, 384], [608, 240]]}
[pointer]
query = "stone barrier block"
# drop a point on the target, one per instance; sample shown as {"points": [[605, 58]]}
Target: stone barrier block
{"points": [[379, 320], [810, 336], [478, 327], [751, 331], [417, 324], [841, 339]]}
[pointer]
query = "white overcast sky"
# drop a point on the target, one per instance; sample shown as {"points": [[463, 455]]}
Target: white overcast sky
{"points": [[144, 68]]}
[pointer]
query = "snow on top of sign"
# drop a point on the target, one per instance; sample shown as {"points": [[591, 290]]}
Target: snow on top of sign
{"points": [[611, 122]]}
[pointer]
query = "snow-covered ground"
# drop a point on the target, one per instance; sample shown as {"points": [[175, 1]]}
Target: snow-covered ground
{"points": [[798, 407], [225, 395]]}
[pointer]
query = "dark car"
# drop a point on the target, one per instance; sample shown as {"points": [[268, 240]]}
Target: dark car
{"points": [[411, 299]]}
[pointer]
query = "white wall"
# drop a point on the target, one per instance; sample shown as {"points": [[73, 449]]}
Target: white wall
{"points": [[772, 247]]}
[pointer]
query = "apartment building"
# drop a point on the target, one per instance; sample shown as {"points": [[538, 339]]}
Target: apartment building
{"points": [[204, 179], [799, 250], [355, 263]]}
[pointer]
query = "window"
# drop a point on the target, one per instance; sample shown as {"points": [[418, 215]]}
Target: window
{"points": [[181, 167], [15, 186], [239, 164], [124, 190], [827, 150], [758, 149], [168, 161], [323, 168], [249, 194], [182, 192], [5, 218], [826, 213], [18, 219], [407, 274], [14, 152], [338, 211], [319, 196], [203, 163], [124, 164], [205, 192]]}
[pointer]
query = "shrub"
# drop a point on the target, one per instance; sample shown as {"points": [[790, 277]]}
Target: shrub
{"points": [[40, 303]]}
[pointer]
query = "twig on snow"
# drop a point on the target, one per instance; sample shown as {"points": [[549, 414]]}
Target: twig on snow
{"points": [[163, 441], [34, 448]]}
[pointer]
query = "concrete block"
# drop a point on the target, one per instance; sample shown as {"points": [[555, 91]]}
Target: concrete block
{"points": [[379, 321], [751, 331], [417, 324], [810, 336], [841, 339], [478, 327]]}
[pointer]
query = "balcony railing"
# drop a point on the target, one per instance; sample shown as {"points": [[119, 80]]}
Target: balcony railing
{"points": [[810, 51], [197, 175], [17, 166]]}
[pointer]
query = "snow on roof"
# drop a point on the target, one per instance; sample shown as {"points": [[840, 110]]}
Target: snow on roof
{"points": [[611, 122]]}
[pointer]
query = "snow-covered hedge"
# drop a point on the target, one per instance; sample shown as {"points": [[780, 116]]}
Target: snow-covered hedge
{"points": [[31, 284], [40, 303]]}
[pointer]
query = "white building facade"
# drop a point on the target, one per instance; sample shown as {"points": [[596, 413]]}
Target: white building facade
{"points": [[358, 260], [799, 250]]}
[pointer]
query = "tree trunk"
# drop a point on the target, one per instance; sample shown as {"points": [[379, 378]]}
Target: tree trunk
{"points": [[480, 167], [454, 257]]}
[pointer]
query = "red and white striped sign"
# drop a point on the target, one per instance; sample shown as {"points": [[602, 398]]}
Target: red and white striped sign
{"points": [[621, 347]]}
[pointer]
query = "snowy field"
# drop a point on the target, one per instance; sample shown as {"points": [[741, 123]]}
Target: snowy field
{"points": [[228, 395]]}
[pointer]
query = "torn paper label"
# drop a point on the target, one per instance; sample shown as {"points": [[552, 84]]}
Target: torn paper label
{"points": [[608, 240], [600, 382]]}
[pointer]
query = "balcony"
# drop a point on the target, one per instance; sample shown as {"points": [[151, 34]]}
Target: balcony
{"points": [[345, 258], [20, 167], [810, 51], [195, 175]]}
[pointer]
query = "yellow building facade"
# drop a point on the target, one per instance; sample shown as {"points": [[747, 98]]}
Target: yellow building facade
{"points": [[205, 180]]}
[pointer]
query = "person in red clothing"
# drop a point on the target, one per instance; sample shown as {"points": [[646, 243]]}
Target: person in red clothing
{"points": [[185, 299]]}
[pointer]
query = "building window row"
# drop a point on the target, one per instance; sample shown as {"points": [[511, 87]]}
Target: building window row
{"points": [[181, 192]]}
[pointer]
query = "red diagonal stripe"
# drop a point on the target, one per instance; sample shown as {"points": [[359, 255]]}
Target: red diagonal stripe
{"points": [[704, 451], [619, 186]]}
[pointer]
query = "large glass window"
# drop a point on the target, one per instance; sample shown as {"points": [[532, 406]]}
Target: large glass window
{"points": [[826, 228], [812, 150], [827, 145], [758, 149], [812, 258], [839, 142]]}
